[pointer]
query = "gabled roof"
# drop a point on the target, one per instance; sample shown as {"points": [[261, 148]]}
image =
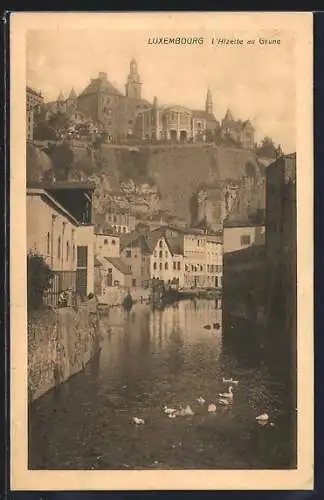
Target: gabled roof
{"points": [[132, 239], [119, 264], [100, 85]]}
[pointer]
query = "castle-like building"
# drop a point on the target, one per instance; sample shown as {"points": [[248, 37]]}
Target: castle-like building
{"points": [[121, 115]]}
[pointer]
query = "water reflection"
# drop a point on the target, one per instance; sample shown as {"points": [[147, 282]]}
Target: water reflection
{"points": [[149, 359]]}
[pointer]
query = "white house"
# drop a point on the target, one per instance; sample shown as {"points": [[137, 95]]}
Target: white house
{"points": [[166, 262]]}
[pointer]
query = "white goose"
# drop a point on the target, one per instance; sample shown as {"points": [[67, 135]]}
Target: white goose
{"points": [[224, 402], [230, 381], [138, 421], [227, 395], [169, 411], [264, 417]]}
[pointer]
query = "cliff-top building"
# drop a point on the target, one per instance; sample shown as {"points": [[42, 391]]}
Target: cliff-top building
{"points": [[175, 123], [240, 131]]}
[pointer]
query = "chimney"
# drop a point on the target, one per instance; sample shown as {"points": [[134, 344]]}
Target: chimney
{"points": [[102, 75]]}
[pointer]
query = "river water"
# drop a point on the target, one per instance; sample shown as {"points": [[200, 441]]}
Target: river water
{"points": [[150, 359]]}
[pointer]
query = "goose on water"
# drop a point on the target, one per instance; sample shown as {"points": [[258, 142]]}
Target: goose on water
{"points": [[264, 417], [227, 395], [169, 411], [230, 381], [138, 421], [224, 402], [201, 400]]}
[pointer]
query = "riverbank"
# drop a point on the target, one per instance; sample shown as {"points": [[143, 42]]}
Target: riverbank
{"points": [[60, 344]]}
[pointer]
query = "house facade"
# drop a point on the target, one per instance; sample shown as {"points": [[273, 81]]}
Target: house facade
{"points": [[59, 227], [165, 263], [34, 100], [239, 235], [135, 253], [107, 245]]}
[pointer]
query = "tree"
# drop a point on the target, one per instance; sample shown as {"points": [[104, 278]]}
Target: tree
{"points": [[38, 164], [62, 158], [267, 148], [38, 280], [44, 132]]}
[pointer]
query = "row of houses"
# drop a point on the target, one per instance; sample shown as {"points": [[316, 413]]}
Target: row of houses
{"points": [[88, 258]]}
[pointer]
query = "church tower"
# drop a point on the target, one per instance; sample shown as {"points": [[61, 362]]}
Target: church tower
{"points": [[133, 84], [209, 103]]}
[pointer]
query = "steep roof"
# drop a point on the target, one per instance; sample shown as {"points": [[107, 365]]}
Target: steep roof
{"points": [[97, 85], [119, 264], [229, 116], [61, 97], [72, 94], [131, 239]]}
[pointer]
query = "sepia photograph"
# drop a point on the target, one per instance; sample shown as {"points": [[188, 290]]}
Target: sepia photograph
{"points": [[163, 176]]}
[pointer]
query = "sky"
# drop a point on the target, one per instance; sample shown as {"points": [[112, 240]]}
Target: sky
{"points": [[256, 83]]}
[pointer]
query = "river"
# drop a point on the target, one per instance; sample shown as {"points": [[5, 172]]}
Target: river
{"points": [[150, 359]]}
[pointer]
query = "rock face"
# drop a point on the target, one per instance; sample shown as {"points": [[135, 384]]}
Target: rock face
{"points": [[166, 178], [173, 174]]}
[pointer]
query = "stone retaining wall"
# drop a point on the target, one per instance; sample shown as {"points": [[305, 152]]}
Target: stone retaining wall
{"points": [[60, 344]]}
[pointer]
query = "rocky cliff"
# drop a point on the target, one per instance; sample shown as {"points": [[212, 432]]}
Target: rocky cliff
{"points": [[164, 178]]}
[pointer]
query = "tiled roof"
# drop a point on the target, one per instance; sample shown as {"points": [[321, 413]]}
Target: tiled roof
{"points": [[100, 85], [132, 238], [119, 264]]}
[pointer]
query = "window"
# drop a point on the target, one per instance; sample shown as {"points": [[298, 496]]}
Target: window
{"points": [[73, 253], [48, 243], [115, 218], [160, 266], [160, 254], [124, 229], [134, 282], [178, 266], [160, 243], [166, 267], [105, 241], [245, 239], [59, 247], [128, 254], [67, 250], [174, 265], [113, 242], [154, 265]]}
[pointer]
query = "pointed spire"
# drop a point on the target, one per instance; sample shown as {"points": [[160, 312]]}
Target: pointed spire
{"points": [[209, 102], [72, 94], [61, 97], [229, 116], [133, 66]]}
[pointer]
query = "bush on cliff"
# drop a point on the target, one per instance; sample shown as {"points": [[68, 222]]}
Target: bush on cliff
{"points": [[38, 280]]}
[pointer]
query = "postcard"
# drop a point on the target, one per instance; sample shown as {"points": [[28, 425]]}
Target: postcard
{"points": [[161, 251]]}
